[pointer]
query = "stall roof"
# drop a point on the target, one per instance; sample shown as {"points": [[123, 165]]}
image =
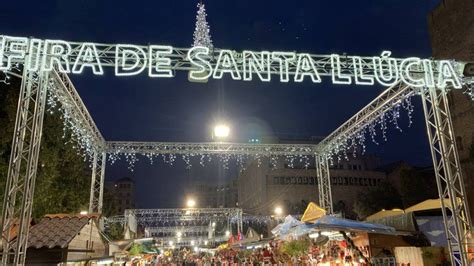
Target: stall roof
{"points": [[384, 213], [430, 204], [312, 213], [332, 223]]}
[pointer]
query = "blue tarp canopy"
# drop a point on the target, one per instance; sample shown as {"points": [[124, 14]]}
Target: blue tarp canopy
{"points": [[296, 228], [329, 222]]}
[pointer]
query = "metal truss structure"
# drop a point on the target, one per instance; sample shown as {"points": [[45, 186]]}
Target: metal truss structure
{"points": [[172, 230], [457, 221], [63, 89], [107, 57], [185, 235], [97, 182], [338, 140], [174, 242], [387, 100], [180, 218], [20, 181], [324, 183], [211, 148], [444, 152]]}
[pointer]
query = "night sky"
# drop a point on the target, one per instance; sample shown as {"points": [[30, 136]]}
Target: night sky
{"points": [[145, 109]]}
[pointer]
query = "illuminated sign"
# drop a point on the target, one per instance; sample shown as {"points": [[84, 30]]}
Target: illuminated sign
{"points": [[160, 61]]}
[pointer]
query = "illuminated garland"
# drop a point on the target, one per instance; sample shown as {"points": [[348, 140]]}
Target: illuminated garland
{"points": [[375, 127], [204, 158], [59, 102]]}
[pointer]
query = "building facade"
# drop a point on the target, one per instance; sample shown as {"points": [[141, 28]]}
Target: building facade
{"points": [[263, 187], [124, 194], [451, 27], [211, 194]]}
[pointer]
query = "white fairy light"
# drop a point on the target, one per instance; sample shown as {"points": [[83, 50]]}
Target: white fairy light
{"points": [[202, 35], [355, 141]]}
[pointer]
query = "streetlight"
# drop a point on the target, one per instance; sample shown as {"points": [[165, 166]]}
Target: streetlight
{"points": [[221, 131], [191, 203], [179, 234], [278, 211]]}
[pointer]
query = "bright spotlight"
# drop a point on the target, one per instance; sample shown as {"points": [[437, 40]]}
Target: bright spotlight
{"points": [[278, 210], [191, 203], [178, 234], [221, 131], [227, 233]]}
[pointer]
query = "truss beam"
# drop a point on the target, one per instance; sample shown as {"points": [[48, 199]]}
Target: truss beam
{"points": [[448, 173], [119, 147], [367, 115], [175, 229], [75, 108], [189, 241], [178, 217], [179, 61], [224, 212]]}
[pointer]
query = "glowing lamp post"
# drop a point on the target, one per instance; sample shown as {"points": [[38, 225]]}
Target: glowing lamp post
{"points": [[278, 211], [191, 203], [221, 132]]}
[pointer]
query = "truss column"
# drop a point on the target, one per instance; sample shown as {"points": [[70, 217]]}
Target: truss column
{"points": [[22, 169], [97, 182], [241, 224], [324, 183], [448, 172], [319, 181]]}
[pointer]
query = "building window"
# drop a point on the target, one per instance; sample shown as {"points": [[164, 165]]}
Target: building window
{"points": [[459, 143], [276, 180]]}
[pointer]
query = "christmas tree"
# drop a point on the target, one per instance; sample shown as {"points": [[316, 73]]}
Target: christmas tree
{"points": [[202, 36]]}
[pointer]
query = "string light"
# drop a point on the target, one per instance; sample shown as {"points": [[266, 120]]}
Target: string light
{"points": [[356, 140]]}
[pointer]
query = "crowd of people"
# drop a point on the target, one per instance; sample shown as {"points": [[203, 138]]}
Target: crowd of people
{"points": [[272, 253]]}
